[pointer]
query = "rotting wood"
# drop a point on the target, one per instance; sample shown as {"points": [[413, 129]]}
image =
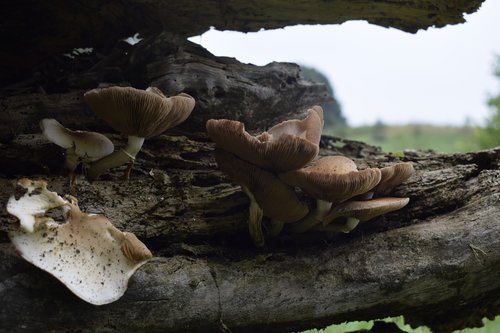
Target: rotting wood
{"points": [[260, 96], [417, 261], [100, 24], [422, 261]]}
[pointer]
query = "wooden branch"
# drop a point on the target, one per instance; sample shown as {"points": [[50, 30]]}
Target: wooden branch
{"points": [[434, 259], [260, 96], [87, 24]]}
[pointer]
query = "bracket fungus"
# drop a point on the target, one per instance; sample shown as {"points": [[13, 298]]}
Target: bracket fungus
{"points": [[330, 180], [268, 195], [355, 212], [286, 146], [139, 114], [86, 253], [81, 146]]}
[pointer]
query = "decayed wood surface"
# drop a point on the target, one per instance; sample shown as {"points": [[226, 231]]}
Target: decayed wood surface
{"points": [[437, 261], [99, 24], [259, 96]]}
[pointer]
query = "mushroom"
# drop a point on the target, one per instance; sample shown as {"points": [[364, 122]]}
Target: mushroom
{"points": [[139, 114], [393, 175], [81, 146], [86, 253], [330, 180], [268, 195], [286, 146], [355, 212]]}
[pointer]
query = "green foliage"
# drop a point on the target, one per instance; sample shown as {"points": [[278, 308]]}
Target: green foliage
{"points": [[489, 135], [332, 111], [490, 326], [445, 139], [379, 131]]}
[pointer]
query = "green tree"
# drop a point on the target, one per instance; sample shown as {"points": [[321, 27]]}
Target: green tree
{"points": [[489, 135], [379, 131], [332, 111]]}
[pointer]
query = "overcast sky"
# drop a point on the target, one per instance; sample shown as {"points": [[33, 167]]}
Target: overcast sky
{"points": [[438, 76]]}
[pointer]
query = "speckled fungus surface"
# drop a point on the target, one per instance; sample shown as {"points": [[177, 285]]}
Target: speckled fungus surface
{"points": [[86, 253]]}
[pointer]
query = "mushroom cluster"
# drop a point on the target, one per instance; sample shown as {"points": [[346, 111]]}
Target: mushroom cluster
{"points": [[345, 195], [86, 253], [271, 165], [137, 113]]}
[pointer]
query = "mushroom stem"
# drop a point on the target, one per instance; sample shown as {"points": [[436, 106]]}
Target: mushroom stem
{"points": [[312, 219], [72, 159], [322, 207], [349, 225], [274, 228], [124, 155], [255, 215], [346, 227]]}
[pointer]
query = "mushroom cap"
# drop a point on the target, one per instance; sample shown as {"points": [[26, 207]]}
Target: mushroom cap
{"points": [[86, 253], [394, 175], [136, 112], [366, 209], [89, 146], [286, 146], [56, 133], [333, 178], [276, 199]]}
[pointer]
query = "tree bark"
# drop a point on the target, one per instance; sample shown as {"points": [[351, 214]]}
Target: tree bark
{"points": [[436, 258], [31, 29], [436, 261]]}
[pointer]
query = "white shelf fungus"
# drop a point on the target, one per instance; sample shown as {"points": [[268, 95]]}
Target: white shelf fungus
{"points": [[86, 253]]}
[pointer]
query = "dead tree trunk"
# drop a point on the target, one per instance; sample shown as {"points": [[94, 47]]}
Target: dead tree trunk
{"points": [[437, 261]]}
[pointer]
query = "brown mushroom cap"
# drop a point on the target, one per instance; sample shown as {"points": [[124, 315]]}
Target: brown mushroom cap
{"points": [[276, 199], [333, 178], [136, 112], [287, 146], [394, 175], [366, 209]]}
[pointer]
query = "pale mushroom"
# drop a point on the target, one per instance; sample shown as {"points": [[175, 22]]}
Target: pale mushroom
{"points": [[81, 146], [86, 253], [268, 195], [286, 146], [355, 212], [329, 180], [139, 114]]}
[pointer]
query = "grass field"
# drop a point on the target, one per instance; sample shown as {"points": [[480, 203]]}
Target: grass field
{"points": [[490, 326], [445, 139]]}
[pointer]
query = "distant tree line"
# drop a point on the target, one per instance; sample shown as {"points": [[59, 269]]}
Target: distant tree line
{"points": [[489, 135], [332, 110]]}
